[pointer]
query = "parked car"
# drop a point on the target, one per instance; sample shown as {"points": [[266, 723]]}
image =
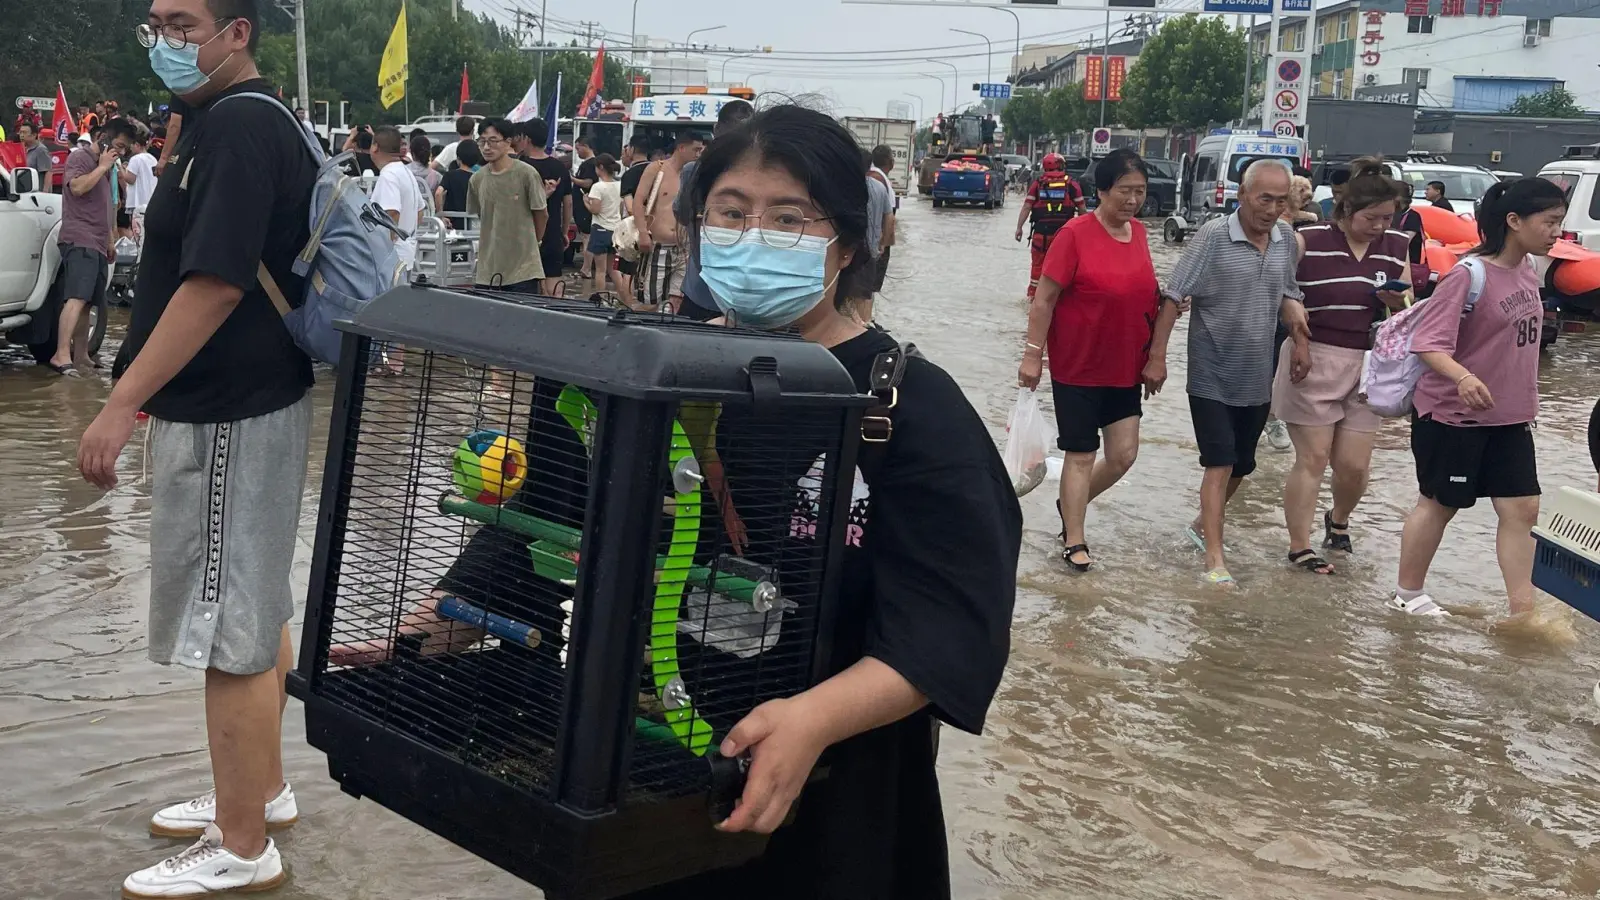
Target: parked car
{"points": [[1162, 195], [30, 224], [1577, 173], [1464, 186]]}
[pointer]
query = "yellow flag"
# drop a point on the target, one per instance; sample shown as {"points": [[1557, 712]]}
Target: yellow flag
{"points": [[392, 69]]}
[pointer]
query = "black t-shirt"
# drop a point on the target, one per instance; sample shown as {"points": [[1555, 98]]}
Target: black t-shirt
{"points": [[359, 162], [236, 192], [455, 184], [630, 178], [587, 171], [1411, 221], [1444, 204], [929, 592], [552, 169]]}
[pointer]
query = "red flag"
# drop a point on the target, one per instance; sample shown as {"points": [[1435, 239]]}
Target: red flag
{"points": [[591, 105], [465, 94], [61, 122]]}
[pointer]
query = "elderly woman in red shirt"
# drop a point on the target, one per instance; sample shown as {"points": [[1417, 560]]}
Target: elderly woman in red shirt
{"points": [[1099, 316]]}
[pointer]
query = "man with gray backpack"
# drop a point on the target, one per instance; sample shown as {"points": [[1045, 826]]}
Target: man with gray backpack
{"points": [[243, 218]]}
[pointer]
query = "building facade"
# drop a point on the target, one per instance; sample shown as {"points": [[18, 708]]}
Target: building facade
{"points": [[1037, 56], [1466, 55]]}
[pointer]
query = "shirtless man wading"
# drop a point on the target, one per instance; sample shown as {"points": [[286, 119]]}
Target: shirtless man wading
{"points": [[664, 274]]}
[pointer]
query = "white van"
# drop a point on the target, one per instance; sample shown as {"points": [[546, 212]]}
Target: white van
{"points": [[1208, 180], [1577, 173]]}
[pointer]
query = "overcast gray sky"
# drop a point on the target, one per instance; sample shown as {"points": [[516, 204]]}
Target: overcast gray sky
{"points": [[859, 56]]}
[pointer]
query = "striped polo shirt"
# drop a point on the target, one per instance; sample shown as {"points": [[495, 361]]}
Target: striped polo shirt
{"points": [[1238, 292], [1340, 290]]}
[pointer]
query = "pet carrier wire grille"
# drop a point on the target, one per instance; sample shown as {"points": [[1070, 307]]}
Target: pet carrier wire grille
{"points": [[559, 557], [1566, 562]]}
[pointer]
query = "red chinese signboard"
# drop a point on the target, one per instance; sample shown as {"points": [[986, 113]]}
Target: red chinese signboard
{"points": [[1488, 7], [1116, 73], [1452, 7], [1093, 84], [1417, 7], [1373, 36]]}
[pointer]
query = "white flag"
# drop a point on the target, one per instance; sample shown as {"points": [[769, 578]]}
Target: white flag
{"points": [[528, 107]]}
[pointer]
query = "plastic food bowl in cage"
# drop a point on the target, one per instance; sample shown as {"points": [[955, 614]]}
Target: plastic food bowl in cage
{"points": [[1566, 562], [531, 641]]}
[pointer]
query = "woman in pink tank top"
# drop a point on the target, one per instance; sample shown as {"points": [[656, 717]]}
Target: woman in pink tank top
{"points": [[1344, 265]]}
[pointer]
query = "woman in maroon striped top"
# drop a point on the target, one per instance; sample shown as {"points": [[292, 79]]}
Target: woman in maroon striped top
{"points": [[1343, 266]]}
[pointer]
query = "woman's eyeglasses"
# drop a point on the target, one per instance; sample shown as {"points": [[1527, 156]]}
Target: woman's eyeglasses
{"points": [[781, 227], [176, 36]]}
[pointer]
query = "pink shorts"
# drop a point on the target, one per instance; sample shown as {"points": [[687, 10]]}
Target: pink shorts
{"points": [[1328, 395]]}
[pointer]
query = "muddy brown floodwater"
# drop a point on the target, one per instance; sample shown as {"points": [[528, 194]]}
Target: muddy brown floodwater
{"points": [[1153, 739]]}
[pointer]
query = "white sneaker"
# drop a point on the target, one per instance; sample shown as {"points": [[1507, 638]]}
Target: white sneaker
{"points": [[1278, 435], [206, 869], [189, 819]]}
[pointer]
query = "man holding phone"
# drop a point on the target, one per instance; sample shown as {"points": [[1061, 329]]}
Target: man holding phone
{"points": [[86, 241]]}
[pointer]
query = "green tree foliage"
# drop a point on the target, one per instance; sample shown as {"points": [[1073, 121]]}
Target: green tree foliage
{"points": [[1556, 103], [344, 40], [1024, 115], [1189, 75]]}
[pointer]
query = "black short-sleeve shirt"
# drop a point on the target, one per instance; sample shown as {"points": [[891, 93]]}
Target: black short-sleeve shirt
{"points": [[630, 178], [552, 169], [236, 193]]}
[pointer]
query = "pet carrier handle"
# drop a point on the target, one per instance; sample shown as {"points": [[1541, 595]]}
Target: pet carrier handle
{"points": [[728, 775]]}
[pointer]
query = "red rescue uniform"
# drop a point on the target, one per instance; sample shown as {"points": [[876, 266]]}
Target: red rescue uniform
{"points": [[1053, 198]]}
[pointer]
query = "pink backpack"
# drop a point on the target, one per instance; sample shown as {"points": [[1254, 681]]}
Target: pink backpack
{"points": [[1390, 371]]}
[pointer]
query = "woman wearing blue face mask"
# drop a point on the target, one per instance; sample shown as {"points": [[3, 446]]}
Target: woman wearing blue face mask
{"points": [[779, 223]]}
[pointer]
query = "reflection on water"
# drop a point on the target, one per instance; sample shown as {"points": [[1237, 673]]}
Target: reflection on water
{"points": [[1152, 739]]}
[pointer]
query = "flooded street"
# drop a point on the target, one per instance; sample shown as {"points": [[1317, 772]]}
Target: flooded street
{"points": [[1153, 738]]}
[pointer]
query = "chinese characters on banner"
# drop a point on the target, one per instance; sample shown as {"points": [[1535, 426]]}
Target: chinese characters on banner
{"points": [[1116, 73], [1373, 35], [1450, 8], [1092, 82]]}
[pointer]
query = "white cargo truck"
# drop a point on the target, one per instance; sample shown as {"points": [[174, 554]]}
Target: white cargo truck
{"points": [[897, 133]]}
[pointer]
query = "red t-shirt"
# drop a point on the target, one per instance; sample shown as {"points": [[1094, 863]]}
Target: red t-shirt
{"points": [[1100, 333]]}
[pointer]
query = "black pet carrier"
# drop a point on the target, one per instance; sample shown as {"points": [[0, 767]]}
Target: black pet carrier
{"points": [[562, 550]]}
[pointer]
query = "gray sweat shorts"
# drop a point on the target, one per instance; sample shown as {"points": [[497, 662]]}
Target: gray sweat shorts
{"points": [[224, 510]]}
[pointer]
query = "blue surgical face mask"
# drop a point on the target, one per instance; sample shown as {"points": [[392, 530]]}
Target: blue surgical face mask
{"points": [[762, 286], [179, 69]]}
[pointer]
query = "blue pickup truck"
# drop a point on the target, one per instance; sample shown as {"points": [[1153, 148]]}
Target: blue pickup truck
{"points": [[973, 180]]}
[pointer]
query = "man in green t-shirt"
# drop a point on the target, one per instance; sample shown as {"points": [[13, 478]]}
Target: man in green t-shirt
{"points": [[510, 201]]}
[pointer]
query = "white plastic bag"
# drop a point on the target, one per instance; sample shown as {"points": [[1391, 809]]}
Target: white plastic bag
{"points": [[1026, 443]]}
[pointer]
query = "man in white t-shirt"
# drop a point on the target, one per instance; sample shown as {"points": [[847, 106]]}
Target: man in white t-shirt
{"points": [[396, 191], [143, 167], [464, 128]]}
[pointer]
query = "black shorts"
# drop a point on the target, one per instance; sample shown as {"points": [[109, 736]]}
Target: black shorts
{"points": [[1082, 411], [880, 270], [553, 255], [124, 219], [83, 274], [1457, 464], [625, 267], [1227, 435]]}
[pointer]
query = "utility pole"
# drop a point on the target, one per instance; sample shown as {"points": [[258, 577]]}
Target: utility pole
{"points": [[1105, 68], [300, 55], [1249, 51], [455, 9], [544, 6]]}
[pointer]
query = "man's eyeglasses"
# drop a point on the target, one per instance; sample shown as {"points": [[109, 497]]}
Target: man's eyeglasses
{"points": [[176, 36], [781, 227], [491, 142]]}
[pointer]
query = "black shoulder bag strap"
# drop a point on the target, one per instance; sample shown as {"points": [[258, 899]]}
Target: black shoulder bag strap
{"points": [[877, 425]]}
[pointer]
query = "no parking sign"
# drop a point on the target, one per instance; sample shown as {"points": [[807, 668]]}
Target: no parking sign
{"points": [[1287, 93]]}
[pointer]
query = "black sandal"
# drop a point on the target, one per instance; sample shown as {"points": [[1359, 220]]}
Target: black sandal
{"points": [[1332, 540], [1066, 557], [1311, 562]]}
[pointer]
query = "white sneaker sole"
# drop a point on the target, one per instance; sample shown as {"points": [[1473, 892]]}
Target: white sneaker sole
{"points": [[165, 832], [267, 885]]}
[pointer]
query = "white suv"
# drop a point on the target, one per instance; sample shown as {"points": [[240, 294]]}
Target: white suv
{"points": [[1576, 173], [30, 225]]}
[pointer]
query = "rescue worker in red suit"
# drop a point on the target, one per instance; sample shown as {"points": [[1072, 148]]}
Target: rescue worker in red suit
{"points": [[1053, 199]]}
